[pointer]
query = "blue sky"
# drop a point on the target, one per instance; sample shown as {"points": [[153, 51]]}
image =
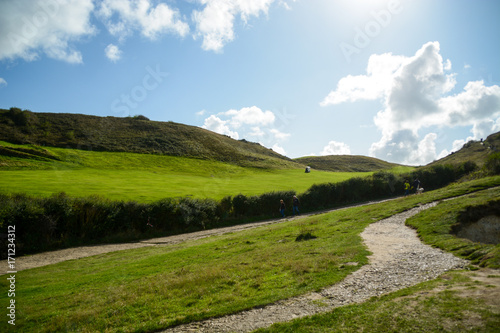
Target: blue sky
{"points": [[406, 81]]}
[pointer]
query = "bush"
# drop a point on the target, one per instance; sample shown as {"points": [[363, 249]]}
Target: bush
{"points": [[241, 206], [384, 184], [61, 221], [492, 164], [163, 215]]}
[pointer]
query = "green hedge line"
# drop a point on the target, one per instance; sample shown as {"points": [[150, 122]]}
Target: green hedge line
{"points": [[61, 221]]}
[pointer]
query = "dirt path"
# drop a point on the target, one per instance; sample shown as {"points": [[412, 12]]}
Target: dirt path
{"points": [[399, 260], [53, 257]]}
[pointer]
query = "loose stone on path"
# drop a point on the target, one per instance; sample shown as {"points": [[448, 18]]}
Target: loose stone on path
{"points": [[399, 260]]}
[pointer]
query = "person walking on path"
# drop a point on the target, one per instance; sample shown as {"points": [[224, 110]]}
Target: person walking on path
{"points": [[416, 185], [295, 204], [282, 208], [407, 188]]}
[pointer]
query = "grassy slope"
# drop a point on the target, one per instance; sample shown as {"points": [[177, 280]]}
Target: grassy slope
{"points": [[346, 163], [454, 302], [152, 288], [142, 177], [133, 135], [451, 303], [137, 159], [473, 151]]}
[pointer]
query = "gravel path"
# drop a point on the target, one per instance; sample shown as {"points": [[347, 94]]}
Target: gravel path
{"points": [[399, 260], [54, 257]]}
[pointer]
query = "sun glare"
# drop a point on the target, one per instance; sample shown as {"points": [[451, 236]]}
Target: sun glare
{"points": [[360, 9]]}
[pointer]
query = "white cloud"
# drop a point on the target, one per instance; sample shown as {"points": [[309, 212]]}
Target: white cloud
{"points": [[215, 23], [250, 116], [483, 129], [123, 17], [285, 4], [113, 52], [475, 104], [257, 132], [447, 65], [279, 149], [425, 152], [249, 123], [397, 146], [50, 27], [279, 135], [2, 82], [336, 148], [218, 125], [414, 94], [374, 85]]}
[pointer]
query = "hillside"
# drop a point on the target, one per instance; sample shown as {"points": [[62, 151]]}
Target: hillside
{"points": [[132, 134], [475, 151], [345, 163], [472, 151]]}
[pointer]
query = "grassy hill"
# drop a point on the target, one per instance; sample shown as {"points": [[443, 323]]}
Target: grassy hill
{"points": [[346, 163], [138, 159], [475, 151], [132, 134], [43, 171]]}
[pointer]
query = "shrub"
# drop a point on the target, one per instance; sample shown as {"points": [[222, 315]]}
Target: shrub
{"points": [[163, 215], [59, 221], [492, 164], [197, 214], [384, 184], [240, 205], [320, 196]]}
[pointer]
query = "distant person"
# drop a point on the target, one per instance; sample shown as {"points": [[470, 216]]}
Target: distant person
{"points": [[407, 187], [295, 204], [282, 208], [416, 185]]}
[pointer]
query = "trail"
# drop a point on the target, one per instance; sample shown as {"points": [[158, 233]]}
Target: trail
{"points": [[54, 257], [399, 260]]}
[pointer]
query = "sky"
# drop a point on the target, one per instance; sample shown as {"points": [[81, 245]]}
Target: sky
{"points": [[405, 81]]}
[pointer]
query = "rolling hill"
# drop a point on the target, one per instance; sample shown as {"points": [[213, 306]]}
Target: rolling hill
{"points": [[472, 151], [346, 163], [140, 135], [132, 134], [475, 151]]}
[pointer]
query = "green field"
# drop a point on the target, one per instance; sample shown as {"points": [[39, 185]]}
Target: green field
{"points": [[145, 186], [147, 177]]}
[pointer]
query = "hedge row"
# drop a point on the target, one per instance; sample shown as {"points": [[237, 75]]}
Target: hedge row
{"points": [[61, 221]]}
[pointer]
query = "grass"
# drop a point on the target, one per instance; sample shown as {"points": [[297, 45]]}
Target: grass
{"points": [[145, 177], [135, 134], [440, 305], [434, 227], [350, 163], [153, 288]]}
